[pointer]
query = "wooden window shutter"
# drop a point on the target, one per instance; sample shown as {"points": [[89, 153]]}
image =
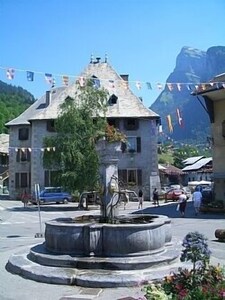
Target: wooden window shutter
{"points": [[28, 155], [46, 178], [18, 155], [138, 144], [139, 176], [17, 180]]}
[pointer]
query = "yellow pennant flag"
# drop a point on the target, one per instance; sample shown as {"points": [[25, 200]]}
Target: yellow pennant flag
{"points": [[169, 121]]}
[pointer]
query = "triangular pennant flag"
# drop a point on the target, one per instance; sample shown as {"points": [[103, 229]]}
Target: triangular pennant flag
{"points": [[81, 81], [65, 79], [48, 78], [160, 129], [180, 120], [10, 73], [159, 86], [169, 121], [179, 87], [138, 85], [170, 86], [149, 86], [30, 76]]}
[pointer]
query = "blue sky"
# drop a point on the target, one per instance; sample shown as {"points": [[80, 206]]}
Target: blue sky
{"points": [[142, 38]]}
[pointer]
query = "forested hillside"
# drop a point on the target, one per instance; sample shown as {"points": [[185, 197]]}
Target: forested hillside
{"points": [[13, 101]]}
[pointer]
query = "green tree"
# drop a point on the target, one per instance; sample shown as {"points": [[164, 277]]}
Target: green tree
{"points": [[80, 123]]}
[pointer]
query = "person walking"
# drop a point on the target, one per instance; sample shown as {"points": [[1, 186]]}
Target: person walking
{"points": [[140, 199], [182, 202], [155, 197], [197, 199]]}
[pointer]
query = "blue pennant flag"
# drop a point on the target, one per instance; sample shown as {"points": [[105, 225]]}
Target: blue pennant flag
{"points": [[30, 76]]}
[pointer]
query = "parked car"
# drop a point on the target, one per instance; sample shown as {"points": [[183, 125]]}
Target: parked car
{"points": [[54, 194], [173, 194]]}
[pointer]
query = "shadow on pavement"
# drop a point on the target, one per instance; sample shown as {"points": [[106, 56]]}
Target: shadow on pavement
{"points": [[170, 211], [46, 207]]}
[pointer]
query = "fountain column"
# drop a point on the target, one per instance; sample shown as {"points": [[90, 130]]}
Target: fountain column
{"points": [[109, 157]]}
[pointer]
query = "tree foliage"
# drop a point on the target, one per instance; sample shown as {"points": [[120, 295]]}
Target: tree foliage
{"points": [[80, 123]]}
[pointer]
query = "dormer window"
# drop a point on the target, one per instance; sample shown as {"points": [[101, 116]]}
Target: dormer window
{"points": [[113, 99]]}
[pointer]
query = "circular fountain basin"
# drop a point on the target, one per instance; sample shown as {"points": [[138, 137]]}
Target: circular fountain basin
{"points": [[133, 235]]}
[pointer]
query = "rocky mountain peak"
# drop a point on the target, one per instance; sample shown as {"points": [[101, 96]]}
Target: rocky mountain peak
{"points": [[193, 66]]}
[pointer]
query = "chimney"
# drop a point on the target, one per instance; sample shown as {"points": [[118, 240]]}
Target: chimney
{"points": [[47, 98], [125, 77]]}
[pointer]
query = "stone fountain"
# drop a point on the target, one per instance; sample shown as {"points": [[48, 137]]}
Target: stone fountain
{"points": [[88, 251]]}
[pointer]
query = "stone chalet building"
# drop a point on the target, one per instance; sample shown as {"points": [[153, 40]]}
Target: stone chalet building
{"points": [[138, 166]]}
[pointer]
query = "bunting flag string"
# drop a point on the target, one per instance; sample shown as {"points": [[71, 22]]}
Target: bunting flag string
{"points": [[178, 86], [25, 149]]}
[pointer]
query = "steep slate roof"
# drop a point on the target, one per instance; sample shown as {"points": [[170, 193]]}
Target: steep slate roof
{"points": [[128, 105], [198, 165], [4, 143]]}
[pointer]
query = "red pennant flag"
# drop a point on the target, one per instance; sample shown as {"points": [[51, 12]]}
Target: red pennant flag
{"points": [[180, 120], [81, 81]]}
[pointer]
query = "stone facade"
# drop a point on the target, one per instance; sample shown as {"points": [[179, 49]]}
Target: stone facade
{"points": [[138, 168]]}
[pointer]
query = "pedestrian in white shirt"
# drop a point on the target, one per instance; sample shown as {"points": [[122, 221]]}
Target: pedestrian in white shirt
{"points": [[197, 199], [182, 201]]}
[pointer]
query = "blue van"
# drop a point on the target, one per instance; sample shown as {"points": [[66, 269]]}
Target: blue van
{"points": [[54, 194]]}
